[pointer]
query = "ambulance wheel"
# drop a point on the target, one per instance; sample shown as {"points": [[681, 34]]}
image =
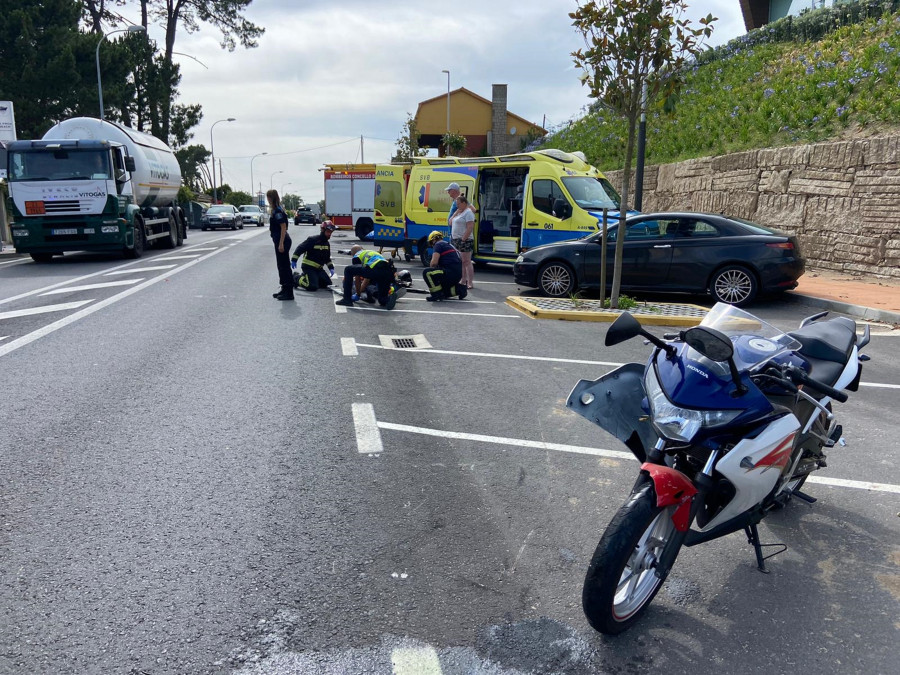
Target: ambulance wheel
{"points": [[556, 279], [424, 251]]}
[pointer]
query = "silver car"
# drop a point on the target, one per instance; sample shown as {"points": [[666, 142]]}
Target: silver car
{"points": [[251, 214]]}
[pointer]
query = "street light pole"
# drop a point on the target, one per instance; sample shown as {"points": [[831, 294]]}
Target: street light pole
{"points": [[252, 184], [273, 178], [130, 29], [446, 150], [212, 149]]}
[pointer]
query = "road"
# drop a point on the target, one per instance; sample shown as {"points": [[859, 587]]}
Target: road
{"points": [[200, 479]]}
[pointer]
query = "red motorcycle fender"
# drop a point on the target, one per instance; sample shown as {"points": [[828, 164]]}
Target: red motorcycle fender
{"points": [[672, 487]]}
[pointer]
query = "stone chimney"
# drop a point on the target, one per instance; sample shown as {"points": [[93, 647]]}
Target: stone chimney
{"points": [[499, 133]]}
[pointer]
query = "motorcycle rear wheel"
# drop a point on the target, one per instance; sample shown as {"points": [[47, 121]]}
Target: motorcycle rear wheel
{"points": [[621, 579]]}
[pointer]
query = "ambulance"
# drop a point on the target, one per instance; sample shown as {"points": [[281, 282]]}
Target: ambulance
{"points": [[520, 201]]}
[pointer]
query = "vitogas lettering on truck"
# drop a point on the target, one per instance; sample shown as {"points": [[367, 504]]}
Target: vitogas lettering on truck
{"points": [[521, 201], [93, 185]]}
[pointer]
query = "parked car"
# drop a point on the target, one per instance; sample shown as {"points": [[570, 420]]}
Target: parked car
{"points": [[221, 215], [732, 259], [251, 214], [306, 215]]}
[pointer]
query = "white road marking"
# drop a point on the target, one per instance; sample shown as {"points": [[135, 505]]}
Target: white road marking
{"points": [[180, 257], [13, 261], [340, 309], [90, 287], [883, 386], [423, 311], [87, 311], [858, 484], [348, 347], [500, 440], [44, 309], [598, 452], [368, 438], [205, 248], [468, 301], [4, 337], [141, 269], [415, 661], [502, 356]]}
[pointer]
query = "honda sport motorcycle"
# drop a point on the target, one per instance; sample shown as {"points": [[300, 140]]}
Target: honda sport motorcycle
{"points": [[728, 419]]}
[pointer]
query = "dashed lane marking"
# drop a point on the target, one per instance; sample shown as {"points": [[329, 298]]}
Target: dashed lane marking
{"points": [[423, 311], [90, 287], [368, 438], [415, 661], [598, 452], [44, 309], [180, 257], [348, 347], [4, 337], [142, 269]]}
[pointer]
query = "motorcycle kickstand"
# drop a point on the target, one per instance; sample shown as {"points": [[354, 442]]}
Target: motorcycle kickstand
{"points": [[753, 539]]}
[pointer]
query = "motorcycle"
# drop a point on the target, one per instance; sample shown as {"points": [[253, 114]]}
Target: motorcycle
{"points": [[728, 419]]}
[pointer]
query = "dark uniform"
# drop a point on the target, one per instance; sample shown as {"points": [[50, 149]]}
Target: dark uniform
{"points": [[282, 259], [317, 256], [443, 280], [372, 266]]}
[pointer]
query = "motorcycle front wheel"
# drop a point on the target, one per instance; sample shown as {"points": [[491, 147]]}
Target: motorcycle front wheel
{"points": [[621, 579]]}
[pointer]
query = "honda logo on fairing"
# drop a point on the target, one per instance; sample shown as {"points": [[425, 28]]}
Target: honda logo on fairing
{"points": [[697, 370]]}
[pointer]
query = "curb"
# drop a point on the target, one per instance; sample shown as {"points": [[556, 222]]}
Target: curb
{"points": [[669, 314], [858, 311]]}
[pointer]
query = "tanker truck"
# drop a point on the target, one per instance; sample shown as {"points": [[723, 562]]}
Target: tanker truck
{"points": [[93, 185]]}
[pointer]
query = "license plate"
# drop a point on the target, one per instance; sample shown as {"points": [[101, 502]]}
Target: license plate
{"points": [[68, 230], [34, 209]]}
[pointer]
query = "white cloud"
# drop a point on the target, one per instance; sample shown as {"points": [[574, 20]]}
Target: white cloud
{"points": [[327, 72]]}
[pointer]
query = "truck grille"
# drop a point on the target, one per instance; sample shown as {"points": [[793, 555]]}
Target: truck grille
{"points": [[62, 206]]}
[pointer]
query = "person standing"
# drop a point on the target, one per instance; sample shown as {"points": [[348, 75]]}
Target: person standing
{"points": [[445, 272], [316, 252], [453, 192], [373, 267], [462, 228], [278, 223]]}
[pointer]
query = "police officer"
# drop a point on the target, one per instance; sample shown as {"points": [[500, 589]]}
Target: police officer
{"points": [[373, 267], [445, 273], [278, 223], [317, 256]]}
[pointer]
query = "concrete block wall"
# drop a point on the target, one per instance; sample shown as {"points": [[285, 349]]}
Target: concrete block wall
{"points": [[841, 198]]}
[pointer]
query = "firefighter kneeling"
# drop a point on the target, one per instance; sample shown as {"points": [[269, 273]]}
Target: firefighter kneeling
{"points": [[445, 273], [316, 252]]}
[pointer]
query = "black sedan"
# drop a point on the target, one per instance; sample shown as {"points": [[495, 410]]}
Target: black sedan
{"points": [[732, 259]]}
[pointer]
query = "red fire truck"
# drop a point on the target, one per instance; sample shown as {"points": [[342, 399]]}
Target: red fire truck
{"points": [[350, 196]]}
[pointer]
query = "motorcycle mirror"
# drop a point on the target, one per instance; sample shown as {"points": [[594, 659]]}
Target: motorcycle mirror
{"points": [[711, 343], [623, 328]]}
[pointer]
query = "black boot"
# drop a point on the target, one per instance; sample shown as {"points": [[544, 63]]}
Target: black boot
{"points": [[287, 293]]}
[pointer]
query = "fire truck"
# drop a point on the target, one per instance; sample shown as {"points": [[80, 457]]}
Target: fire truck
{"points": [[350, 196]]}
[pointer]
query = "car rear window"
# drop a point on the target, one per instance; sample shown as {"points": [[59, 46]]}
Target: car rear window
{"points": [[756, 227]]}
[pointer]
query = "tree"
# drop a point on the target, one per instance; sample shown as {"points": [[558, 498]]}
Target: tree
{"points": [[194, 171], [454, 143], [238, 198], [408, 143], [630, 44]]}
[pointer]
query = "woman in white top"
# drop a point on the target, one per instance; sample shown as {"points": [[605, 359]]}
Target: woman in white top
{"points": [[462, 226]]}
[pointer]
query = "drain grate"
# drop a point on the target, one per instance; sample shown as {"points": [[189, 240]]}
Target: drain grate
{"points": [[404, 342]]}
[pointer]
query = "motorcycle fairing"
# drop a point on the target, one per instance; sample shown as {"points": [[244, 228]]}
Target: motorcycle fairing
{"points": [[614, 402], [672, 487], [754, 465]]}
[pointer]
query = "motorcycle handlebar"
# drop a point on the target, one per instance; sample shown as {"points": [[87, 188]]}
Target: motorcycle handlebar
{"points": [[800, 377]]}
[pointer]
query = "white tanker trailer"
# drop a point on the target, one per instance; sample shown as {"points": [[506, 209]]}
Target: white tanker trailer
{"points": [[92, 185]]}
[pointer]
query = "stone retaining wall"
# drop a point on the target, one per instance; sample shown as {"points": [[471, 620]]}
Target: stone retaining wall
{"points": [[842, 199]]}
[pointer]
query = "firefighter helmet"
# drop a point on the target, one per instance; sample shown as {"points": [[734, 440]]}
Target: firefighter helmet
{"points": [[435, 236]]}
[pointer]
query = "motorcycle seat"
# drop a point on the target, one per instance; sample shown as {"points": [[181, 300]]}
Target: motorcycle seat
{"points": [[831, 340], [824, 371]]}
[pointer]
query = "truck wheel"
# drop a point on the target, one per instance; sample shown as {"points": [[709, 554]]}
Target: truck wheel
{"points": [[171, 241], [42, 257], [182, 228], [138, 249]]}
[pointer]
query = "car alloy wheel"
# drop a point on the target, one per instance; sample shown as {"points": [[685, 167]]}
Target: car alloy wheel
{"points": [[734, 285], [556, 280]]}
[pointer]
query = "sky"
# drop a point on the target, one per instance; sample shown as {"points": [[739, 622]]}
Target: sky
{"points": [[327, 72]]}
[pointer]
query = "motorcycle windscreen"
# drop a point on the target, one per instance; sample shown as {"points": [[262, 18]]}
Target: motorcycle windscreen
{"points": [[614, 403]]}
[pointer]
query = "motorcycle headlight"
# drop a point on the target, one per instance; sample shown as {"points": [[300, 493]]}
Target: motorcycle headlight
{"points": [[675, 423]]}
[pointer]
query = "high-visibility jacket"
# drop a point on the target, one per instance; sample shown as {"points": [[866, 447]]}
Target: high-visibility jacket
{"points": [[369, 258]]}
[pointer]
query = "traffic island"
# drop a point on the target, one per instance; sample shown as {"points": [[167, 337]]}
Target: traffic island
{"points": [[647, 313]]}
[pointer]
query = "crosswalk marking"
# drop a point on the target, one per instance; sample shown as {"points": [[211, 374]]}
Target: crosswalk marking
{"points": [[415, 661], [180, 257], [45, 309], [140, 269], [90, 287]]}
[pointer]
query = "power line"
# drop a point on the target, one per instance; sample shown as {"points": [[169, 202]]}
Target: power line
{"points": [[295, 152]]}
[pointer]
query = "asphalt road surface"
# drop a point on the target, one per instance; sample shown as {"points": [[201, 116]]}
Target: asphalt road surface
{"points": [[197, 478]]}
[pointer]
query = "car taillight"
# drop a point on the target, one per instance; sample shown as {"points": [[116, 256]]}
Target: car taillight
{"points": [[785, 245]]}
